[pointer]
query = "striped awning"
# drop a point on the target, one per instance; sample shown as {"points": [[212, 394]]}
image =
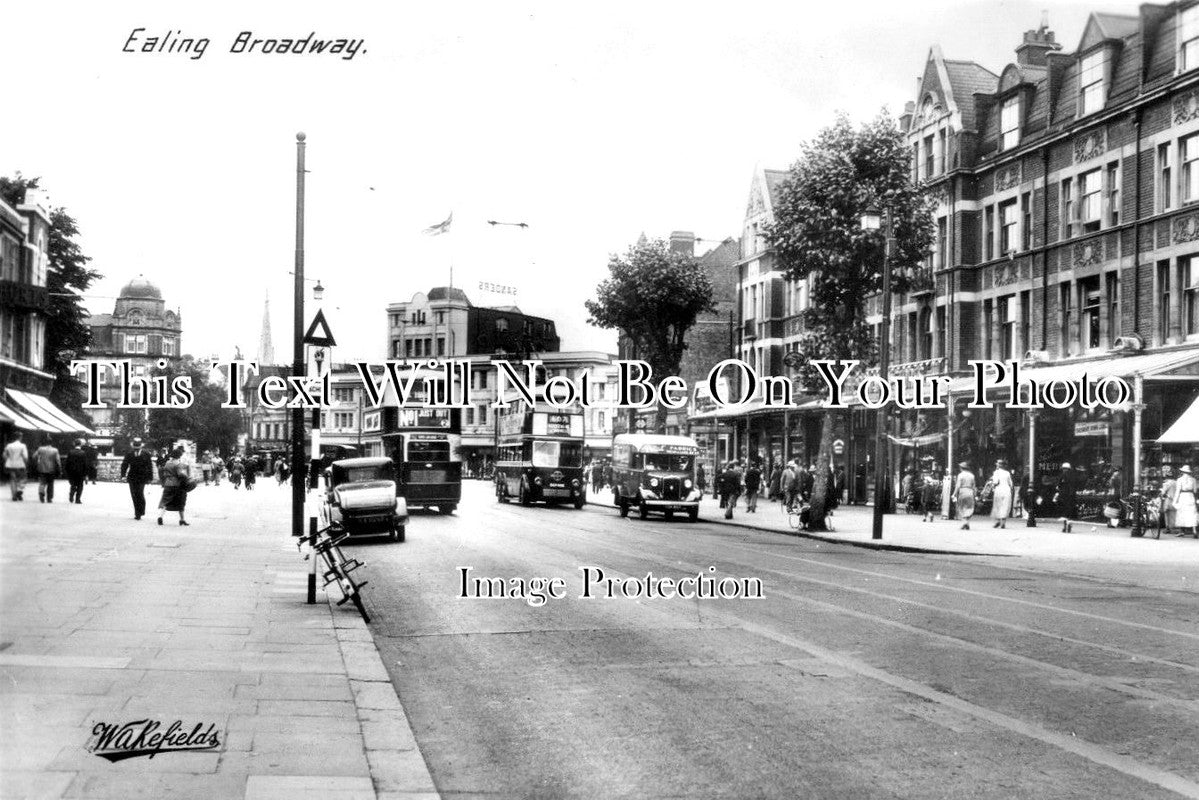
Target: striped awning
{"points": [[52, 419], [18, 420]]}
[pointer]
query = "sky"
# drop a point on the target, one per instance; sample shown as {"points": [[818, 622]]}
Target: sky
{"points": [[591, 123]]}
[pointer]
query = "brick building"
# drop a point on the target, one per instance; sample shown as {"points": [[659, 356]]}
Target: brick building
{"points": [[1066, 189]]}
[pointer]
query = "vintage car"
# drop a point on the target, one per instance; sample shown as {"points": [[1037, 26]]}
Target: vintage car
{"points": [[655, 473], [361, 499]]}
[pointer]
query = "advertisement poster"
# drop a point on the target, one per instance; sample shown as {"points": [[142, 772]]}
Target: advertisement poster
{"points": [[529, 399]]}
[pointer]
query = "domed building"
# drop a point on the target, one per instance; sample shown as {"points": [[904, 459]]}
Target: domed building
{"points": [[141, 329]]}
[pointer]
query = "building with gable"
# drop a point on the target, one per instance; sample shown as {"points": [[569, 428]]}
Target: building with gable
{"points": [[1067, 215]]}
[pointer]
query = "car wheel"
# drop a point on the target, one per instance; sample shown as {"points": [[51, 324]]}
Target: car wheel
{"points": [[692, 514], [643, 510], [580, 502], [447, 510], [501, 492], [624, 508], [524, 495], [670, 515]]}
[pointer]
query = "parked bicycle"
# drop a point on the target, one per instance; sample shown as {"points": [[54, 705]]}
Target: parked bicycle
{"points": [[338, 568]]}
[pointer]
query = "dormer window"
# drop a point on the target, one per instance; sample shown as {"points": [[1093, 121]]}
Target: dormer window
{"points": [[1009, 123], [1188, 37], [1092, 82]]}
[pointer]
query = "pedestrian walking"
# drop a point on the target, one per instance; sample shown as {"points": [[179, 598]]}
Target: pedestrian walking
{"points": [[753, 484], [138, 469], [176, 482], [236, 470], [963, 493], [49, 467], [930, 494], [1001, 494], [789, 483], [93, 462], [206, 466], [252, 469], [701, 480], [218, 469], [1064, 497], [16, 463], [76, 469], [1168, 494], [1186, 514], [730, 488]]}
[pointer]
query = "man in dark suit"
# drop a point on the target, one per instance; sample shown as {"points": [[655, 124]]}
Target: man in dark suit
{"points": [[138, 469]]}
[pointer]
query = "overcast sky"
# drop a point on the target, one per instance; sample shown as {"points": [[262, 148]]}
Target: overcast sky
{"points": [[590, 122]]}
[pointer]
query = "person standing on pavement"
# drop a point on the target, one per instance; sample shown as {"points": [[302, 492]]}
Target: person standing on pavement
{"points": [[930, 494], [138, 469], [963, 493], [805, 480], [701, 480], [789, 484], [76, 469], [1168, 494], [1186, 514], [176, 480], [1064, 498], [49, 467], [16, 463], [753, 484], [1001, 494], [1115, 491]]}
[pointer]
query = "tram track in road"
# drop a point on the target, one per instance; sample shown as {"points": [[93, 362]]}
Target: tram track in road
{"points": [[878, 620], [1182, 708]]}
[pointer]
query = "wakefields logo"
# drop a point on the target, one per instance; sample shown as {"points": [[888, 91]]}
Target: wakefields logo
{"points": [[144, 737]]}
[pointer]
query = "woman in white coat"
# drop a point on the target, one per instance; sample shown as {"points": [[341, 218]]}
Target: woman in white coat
{"points": [[1001, 494], [1186, 515]]}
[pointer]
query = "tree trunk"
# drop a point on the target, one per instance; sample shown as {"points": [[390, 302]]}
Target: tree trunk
{"points": [[823, 487]]}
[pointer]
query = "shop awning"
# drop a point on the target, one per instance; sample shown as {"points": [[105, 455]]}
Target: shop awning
{"points": [[1185, 430], [18, 420], [53, 420], [1147, 366]]}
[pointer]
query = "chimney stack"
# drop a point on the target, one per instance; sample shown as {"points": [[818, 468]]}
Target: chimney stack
{"points": [[683, 242], [1037, 44]]}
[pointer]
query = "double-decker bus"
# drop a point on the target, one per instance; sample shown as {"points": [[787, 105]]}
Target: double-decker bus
{"points": [[539, 455], [425, 445]]}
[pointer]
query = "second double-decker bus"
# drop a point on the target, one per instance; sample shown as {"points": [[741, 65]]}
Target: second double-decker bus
{"points": [[539, 455], [425, 445]]}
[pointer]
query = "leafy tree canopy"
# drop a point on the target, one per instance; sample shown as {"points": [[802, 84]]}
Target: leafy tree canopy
{"points": [[66, 324], [817, 233], [204, 422], [653, 296]]}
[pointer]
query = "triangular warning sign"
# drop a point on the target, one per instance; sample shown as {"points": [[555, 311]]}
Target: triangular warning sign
{"points": [[325, 336]]}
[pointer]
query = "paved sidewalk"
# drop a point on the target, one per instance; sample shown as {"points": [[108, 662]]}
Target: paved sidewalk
{"points": [[907, 532], [108, 620]]}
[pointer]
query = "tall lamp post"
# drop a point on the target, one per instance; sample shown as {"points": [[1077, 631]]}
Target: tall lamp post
{"points": [[298, 462], [872, 220]]}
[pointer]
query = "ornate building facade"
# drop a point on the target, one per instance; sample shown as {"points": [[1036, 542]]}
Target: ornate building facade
{"points": [[140, 329]]}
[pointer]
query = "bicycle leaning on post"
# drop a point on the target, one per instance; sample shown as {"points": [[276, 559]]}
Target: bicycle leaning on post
{"points": [[338, 568]]}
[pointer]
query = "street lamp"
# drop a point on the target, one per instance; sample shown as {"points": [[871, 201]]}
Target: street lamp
{"points": [[298, 461], [872, 220]]}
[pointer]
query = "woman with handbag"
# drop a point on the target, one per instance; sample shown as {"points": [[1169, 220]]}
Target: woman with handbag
{"points": [[176, 483], [1186, 515]]}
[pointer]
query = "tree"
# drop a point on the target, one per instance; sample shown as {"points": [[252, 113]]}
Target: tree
{"points": [[817, 233], [67, 330], [653, 296], [205, 423]]}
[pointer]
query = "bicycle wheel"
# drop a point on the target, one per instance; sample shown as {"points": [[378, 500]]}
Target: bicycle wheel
{"points": [[357, 598]]}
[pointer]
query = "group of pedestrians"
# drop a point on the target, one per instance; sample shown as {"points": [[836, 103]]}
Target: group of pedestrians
{"points": [[999, 486], [1179, 510], [48, 465], [791, 484], [174, 474]]}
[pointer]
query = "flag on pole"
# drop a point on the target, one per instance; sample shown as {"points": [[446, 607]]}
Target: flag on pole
{"points": [[441, 227]]}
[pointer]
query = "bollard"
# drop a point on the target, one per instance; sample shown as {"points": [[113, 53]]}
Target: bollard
{"points": [[312, 557]]}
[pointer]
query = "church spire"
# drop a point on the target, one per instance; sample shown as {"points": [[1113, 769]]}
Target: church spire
{"points": [[266, 349]]}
